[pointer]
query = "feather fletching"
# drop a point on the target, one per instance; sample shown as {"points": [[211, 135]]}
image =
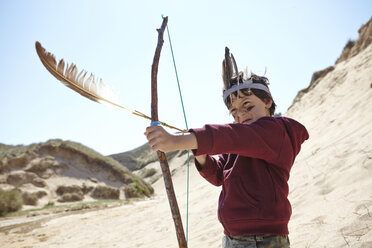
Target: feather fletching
{"points": [[91, 88]]}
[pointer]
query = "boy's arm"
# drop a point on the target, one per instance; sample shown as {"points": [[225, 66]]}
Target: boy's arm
{"points": [[212, 169], [262, 139]]}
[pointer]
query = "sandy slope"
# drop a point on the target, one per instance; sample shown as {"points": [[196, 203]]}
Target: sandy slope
{"points": [[331, 183]]}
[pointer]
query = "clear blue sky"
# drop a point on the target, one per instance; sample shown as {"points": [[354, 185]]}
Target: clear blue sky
{"points": [[116, 41]]}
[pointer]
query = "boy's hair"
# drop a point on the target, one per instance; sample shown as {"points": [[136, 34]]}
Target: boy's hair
{"points": [[263, 95]]}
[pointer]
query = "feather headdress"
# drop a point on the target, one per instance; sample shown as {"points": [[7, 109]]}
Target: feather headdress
{"points": [[233, 80], [227, 70], [91, 87]]}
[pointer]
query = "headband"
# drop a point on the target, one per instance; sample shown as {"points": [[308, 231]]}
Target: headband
{"points": [[247, 84]]}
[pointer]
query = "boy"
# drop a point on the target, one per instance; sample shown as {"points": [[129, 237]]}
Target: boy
{"points": [[256, 154]]}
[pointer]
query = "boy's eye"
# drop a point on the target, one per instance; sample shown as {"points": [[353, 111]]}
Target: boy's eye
{"points": [[250, 108]]}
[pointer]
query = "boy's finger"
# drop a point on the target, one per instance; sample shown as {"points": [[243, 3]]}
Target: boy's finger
{"points": [[153, 135], [148, 130], [152, 128]]}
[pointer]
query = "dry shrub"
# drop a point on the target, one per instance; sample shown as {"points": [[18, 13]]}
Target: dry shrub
{"points": [[10, 201], [42, 164], [43, 167], [148, 172], [32, 198], [71, 197], [106, 192], [3, 167], [38, 182], [49, 204], [72, 189], [20, 177], [29, 198], [19, 161], [41, 194], [86, 189], [134, 190]]}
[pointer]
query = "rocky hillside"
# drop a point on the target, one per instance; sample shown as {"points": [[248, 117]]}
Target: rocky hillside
{"points": [[331, 186], [351, 49], [142, 161], [62, 171]]}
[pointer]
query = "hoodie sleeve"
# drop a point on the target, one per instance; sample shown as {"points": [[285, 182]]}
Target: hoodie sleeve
{"points": [[262, 139], [212, 170]]}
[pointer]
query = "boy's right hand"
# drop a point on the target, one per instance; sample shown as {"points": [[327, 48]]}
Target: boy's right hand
{"points": [[159, 139]]}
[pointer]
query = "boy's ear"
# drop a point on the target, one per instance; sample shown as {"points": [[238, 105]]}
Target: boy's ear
{"points": [[268, 103]]}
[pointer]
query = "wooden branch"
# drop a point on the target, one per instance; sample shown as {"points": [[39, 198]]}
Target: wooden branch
{"points": [[162, 158]]}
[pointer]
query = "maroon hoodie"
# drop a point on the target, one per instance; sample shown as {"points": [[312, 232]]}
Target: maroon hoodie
{"points": [[253, 168]]}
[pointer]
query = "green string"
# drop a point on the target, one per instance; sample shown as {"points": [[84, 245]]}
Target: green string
{"points": [[184, 116]]}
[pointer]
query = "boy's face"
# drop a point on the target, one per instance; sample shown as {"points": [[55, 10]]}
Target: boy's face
{"points": [[248, 109]]}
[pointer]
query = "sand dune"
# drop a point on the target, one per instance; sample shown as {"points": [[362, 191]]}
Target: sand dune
{"points": [[331, 186]]}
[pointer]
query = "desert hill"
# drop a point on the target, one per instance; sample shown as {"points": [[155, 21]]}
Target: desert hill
{"points": [[140, 157], [142, 161], [59, 171], [331, 186], [351, 49]]}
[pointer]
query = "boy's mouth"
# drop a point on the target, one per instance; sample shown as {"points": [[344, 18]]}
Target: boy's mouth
{"points": [[247, 121]]}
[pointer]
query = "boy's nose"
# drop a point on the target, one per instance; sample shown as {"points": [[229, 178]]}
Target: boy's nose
{"points": [[240, 115]]}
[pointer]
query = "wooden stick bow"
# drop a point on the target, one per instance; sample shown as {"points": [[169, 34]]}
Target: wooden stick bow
{"points": [[162, 158]]}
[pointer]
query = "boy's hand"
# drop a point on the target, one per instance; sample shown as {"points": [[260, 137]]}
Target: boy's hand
{"points": [[159, 139]]}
